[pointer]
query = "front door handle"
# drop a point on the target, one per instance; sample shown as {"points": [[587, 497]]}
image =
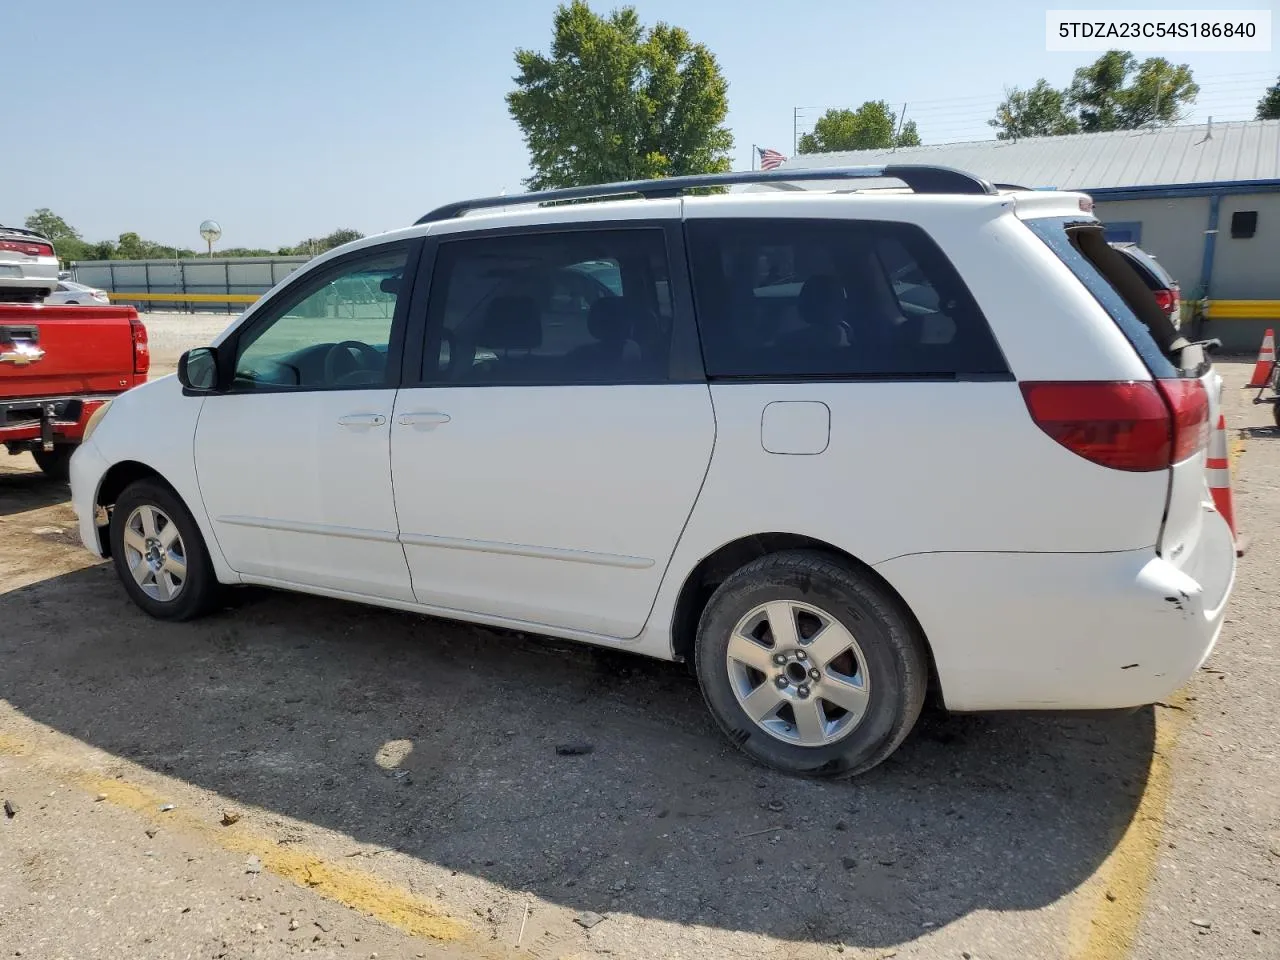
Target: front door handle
{"points": [[425, 418], [362, 420]]}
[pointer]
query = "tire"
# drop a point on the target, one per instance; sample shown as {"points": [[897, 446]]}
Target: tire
{"points": [[56, 463], [885, 667], [191, 595]]}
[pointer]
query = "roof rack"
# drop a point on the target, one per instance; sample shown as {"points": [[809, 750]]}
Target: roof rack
{"points": [[920, 178]]}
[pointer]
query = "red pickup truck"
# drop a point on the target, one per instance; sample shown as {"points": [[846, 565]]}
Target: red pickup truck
{"points": [[57, 366]]}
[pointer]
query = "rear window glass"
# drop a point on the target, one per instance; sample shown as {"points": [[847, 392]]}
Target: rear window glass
{"points": [[1151, 337], [1160, 274]]}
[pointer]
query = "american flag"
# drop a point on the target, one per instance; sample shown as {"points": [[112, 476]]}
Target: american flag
{"points": [[769, 158]]}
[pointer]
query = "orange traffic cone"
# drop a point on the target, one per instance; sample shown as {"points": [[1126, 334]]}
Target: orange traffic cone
{"points": [[1218, 468], [1266, 360]]}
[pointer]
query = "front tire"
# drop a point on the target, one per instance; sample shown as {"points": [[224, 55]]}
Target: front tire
{"points": [[56, 463], [810, 666], [159, 553]]}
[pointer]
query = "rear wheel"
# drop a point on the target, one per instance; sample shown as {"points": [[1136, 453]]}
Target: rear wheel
{"points": [[55, 463], [159, 554], [810, 666]]}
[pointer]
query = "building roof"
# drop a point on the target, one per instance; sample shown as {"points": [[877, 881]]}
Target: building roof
{"points": [[1119, 161]]}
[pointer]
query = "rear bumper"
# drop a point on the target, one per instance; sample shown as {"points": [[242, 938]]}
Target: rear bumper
{"points": [[1066, 631], [55, 419]]}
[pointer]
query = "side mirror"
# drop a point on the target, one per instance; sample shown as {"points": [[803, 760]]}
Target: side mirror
{"points": [[198, 370]]}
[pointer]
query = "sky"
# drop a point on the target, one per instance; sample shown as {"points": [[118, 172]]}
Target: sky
{"points": [[284, 119]]}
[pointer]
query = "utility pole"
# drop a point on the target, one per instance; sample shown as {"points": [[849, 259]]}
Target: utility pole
{"points": [[795, 131]]}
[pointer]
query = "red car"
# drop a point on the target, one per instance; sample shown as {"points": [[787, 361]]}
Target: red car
{"points": [[57, 366], [1157, 278]]}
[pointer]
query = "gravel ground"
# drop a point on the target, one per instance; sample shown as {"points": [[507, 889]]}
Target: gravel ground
{"points": [[396, 789]]}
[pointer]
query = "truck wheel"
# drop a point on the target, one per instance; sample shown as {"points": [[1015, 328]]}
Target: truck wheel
{"points": [[56, 463], [810, 666], [159, 554]]}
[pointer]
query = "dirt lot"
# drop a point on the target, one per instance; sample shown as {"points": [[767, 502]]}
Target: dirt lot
{"points": [[396, 790]]}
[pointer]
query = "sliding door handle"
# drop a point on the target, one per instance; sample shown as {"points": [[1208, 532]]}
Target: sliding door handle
{"points": [[424, 418], [362, 420]]}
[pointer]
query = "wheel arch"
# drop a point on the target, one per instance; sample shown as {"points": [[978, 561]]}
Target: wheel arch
{"points": [[114, 482], [715, 567]]}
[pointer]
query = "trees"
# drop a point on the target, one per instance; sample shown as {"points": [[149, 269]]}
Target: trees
{"points": [[872, 126], [617, 101], [1115, 92], [66, 239], [131, 246], [1269, 105], [1038, 112]]}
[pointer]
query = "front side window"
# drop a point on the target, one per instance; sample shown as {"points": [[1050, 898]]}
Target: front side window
{"points": [[833, 299], [331, 331], [579, 306]]}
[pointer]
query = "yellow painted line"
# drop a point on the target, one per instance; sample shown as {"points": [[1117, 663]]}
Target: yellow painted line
{"points": [[185, 297], [356, 889], [1109, 924], [1242, 309]]}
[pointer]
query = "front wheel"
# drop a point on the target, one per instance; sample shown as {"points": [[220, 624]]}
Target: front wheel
{"points": [[810, 666], [159, 554]]}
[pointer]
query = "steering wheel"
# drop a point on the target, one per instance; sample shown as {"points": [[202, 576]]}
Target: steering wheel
{"points": [[340, 362]]}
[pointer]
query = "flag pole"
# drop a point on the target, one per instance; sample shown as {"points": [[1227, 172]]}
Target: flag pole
{"points": [[754, 151]]}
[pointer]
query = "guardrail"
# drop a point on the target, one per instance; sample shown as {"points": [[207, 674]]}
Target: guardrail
{"points": [[1242, 309], [183, 297]]}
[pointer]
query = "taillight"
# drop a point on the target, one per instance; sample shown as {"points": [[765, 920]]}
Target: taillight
{"points": [[1135, 425], [1166, 298], [141, 347], [27, 248], [1190, 407]]}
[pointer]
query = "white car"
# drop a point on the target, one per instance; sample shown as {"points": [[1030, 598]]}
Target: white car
{"points": [[28, 265], [831, 448], [70, 292]]}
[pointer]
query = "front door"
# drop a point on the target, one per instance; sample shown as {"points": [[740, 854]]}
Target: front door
{"points": [[546, 466], [294, 460]]}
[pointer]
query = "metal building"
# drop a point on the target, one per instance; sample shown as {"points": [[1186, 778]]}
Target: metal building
{"points": [[1203, 198]]}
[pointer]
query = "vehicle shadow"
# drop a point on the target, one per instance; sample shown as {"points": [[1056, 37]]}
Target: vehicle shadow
{"points": [[285, 703], [22, 490]]}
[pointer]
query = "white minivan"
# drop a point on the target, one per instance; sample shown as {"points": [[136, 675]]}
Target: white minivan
{"points": [[831, 447]]}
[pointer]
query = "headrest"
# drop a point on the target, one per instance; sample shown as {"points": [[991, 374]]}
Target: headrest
{"points": [[821, 300], [390, 285], [512, 323], [611, 320]]}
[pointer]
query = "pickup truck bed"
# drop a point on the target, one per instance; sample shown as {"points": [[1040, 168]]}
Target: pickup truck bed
{"points": [[58, 364]]}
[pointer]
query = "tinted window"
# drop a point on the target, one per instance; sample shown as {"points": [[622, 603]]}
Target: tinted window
{"points": [[332, 330], [833, 298], [573, 307]]}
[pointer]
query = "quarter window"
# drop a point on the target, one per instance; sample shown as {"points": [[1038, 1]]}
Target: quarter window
{"points": [[330, 331], [790, 299], [583, 306]]}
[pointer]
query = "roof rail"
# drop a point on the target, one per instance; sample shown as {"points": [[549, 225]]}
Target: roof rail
{"points": [[919, 177]]}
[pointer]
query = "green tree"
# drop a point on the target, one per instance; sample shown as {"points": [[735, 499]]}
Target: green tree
{"points": [[1269, 105], [65, 238], [314, 246], [130, 246], [1117, 92], [870, 127], [1040, 111], [617, 101]]}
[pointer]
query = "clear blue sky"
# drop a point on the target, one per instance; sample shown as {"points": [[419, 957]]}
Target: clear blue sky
{"points": [[284, 119]]}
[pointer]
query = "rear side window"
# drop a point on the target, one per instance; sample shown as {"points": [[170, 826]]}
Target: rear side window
{"points": [[838, 299], [1115, 284]]}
